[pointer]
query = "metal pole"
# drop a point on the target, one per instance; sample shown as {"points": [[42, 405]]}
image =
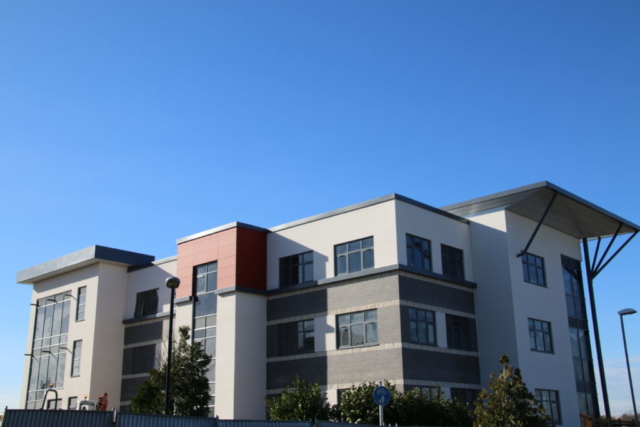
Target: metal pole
{"points": [[167, 405], [626, 354], [596, 333], [381, 411]]}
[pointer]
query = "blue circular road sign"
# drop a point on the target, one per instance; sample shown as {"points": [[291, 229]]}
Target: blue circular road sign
{"points": [[381, 395]]}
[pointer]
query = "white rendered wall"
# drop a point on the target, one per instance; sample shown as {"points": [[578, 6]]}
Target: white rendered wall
{"points": [[241, 361], [83, 330], [437, 228], [552, 371], [323, 235]]}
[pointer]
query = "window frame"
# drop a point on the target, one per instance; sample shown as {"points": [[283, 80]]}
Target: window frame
{"points": [[148, 305], [347, 255], [81, 303], [76, 358], [547, 404], [533, 335], [431, 338], [459, 329], [426, 253], [143, 359], [69, 400], [350, 326], [449, 255], [289, 278], [540, 270], [290, 333]]}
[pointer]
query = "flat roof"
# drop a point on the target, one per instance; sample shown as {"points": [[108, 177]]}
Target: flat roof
{"points": [[569, 213], [81, 258]]}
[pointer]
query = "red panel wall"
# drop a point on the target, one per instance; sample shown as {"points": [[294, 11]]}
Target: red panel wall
{"points": [[241, 254]]}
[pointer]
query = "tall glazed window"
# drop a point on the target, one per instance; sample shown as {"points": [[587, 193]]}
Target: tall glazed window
{"points": [[49, 355], [205, 313]]}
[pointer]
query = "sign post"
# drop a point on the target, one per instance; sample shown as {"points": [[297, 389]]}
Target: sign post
{"points": [[381, 396]]}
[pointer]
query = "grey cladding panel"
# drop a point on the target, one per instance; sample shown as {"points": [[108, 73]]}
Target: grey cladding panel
{"points": [[281, 374], [437, 295], [436, 366], [129, 387], [142, 333], [297, 305]]}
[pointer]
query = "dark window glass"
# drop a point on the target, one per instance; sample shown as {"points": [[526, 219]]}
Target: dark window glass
{"points": [[461, 333], [466, 395], [422, 326], [296, 269], [358, 328], [77, 355], [73, 401], [146, 303], [452, 262], [533, 269], [296, 337], [551, 404], [144, 359], [82, 301], [205, 334], [418, 253], [354, 256], [540, 336], [206, 277]]}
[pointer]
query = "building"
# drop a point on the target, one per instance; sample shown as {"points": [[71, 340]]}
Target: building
{"points": [[386, 289]]}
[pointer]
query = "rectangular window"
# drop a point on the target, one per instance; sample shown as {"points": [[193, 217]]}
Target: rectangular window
{"points": [[296, 337], [418, 253], [146, 303], [452, 262], [206, 278], [354, 256], [82, 300], [533, 269], [422, 326], [356, 329], [54, 404], [429, 391], [296, 269], [144, 359], [461, 333], [72, 403], [466, 395], [540, 336], [77, 355], [551, 404]]}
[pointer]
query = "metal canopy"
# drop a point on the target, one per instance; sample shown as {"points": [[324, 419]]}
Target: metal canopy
{"points": [[569, 213]]}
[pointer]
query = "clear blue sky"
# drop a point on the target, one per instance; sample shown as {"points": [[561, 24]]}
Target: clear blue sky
{"points": [[133, 123]]}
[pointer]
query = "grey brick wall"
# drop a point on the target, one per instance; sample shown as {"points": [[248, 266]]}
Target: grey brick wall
{"points": [[357, 367], [437, 366], [425, 292]]}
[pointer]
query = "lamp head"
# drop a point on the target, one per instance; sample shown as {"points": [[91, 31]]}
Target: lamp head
{"points": [[172, 282], [627, 311]]}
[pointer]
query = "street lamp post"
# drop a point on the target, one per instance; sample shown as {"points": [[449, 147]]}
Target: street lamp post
{"points": [[172, 283], [622, 313]]}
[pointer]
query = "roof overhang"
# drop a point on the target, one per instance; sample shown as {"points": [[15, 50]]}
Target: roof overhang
{"points": [[569, 213], [79, 259]]}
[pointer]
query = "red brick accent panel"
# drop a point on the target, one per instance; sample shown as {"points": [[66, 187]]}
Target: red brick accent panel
{"points": [[241, 254]]}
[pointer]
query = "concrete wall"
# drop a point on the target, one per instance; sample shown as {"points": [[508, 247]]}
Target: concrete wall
{"points": [[323, 235]]}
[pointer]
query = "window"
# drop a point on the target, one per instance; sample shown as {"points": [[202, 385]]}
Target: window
{"points": [[452, 264], [466, 395], [144, 359], [206, 277], [540, 336], [461, 333], [54, 404], [296, 269], [146, 303], [360, 328], [418, 253], [533, 269], [422, 326], [296, 337], [205, 333], [354, 256], [77, 354], [551, 404], [429, 391], [82, 300], [572, 277], [72, 403]]}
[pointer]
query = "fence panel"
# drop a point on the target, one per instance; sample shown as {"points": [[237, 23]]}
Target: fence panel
{"points": [[127, 419], [56, 418], [255, 423]]}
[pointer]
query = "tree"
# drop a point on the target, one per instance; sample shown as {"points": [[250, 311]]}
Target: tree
{"points": [[510, 403], [189, 394], [357, 405], [302, 401]]}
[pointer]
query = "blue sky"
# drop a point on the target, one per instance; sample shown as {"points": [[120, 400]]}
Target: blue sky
{"points": [[133, 123]]}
